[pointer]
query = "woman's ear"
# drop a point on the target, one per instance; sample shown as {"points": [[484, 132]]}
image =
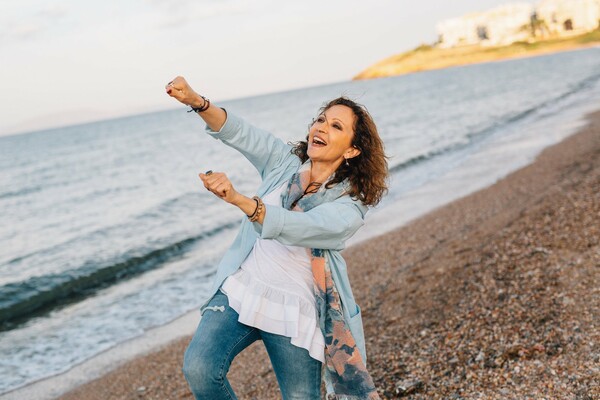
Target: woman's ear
{"points": [[352, 152]]}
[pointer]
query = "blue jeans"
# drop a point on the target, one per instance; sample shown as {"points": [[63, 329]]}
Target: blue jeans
{"points": [[220, 337]]}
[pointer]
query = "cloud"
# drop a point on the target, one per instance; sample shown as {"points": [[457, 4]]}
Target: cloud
{"points": [[53, 12], [22, 31], [179, 13], [33, 24], [26, 30]]}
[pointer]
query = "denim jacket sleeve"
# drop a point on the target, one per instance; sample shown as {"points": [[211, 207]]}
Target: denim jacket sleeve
{"points": [[260, 147], [326, 226]]}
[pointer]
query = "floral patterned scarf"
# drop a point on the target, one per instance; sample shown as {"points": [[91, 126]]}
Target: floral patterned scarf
{"points": [[345, 365]]}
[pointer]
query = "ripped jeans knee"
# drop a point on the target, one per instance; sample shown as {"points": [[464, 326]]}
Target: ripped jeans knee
{"points": [[218, 339], [214, 308]]}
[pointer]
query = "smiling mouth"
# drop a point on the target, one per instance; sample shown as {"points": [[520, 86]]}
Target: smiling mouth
{"points": [[317, 141]]}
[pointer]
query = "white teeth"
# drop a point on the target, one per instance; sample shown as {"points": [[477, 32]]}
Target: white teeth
{"points": [[318, 141]]}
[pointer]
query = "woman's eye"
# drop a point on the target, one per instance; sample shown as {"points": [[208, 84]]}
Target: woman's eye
{"points": [[321, 119], [337, 126]]}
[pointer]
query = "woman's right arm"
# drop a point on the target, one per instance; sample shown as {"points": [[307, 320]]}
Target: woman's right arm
{"points": [[261, 148]]}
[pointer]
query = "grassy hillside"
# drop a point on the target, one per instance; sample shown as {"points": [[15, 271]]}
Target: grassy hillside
{"points": [[427, 57]]}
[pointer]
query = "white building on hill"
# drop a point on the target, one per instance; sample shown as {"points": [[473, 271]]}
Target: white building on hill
{"points": [[502, 25], [514, 22], [563, 17]]}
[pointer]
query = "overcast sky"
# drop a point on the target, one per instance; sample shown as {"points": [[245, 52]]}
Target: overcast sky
{"points": [[70, 61]]}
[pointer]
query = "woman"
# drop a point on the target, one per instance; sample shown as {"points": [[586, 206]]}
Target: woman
{"points": [[283, 280]]}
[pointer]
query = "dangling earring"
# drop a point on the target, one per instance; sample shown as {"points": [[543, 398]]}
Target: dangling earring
{"points": [[347, 163]]}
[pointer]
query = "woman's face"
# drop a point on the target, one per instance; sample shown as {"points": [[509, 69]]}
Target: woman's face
{"points": [[330, 136]]}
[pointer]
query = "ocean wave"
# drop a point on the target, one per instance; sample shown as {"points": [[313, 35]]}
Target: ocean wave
{"points": [[481, 134], [158, 211], [21, 192], [19, 300]]}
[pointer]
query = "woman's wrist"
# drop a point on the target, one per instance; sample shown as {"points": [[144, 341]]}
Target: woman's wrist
{"points": [[253, 207], [240, 201], [198, 101]]}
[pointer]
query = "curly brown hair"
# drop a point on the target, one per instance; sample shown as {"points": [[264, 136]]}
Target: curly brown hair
{"points": [[367, 172]]}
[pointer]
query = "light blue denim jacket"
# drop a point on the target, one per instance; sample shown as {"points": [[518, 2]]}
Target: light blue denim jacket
{"points": [[326, 226]]}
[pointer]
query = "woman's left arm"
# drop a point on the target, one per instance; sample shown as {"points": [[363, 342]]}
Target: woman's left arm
{"points": [[327, 226]]}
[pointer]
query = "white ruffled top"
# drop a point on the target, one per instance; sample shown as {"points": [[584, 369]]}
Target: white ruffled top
{"points": [[273, 291]]}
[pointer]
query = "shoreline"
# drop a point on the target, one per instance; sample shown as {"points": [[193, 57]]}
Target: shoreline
{"points": [[173, 348]]}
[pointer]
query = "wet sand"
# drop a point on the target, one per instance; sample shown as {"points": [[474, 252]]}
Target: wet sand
{"points": [[493, 296]]}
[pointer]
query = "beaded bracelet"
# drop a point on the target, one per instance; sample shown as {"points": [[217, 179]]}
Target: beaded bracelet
{"points": [[260, 206], [204, 107]]}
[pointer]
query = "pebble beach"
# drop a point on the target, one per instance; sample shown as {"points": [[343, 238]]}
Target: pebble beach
{"points": [[493, 296]]}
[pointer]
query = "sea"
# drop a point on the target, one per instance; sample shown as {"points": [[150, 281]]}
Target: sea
{"points": [[107, 232]]}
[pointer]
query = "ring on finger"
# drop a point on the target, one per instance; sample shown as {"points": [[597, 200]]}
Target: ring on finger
{"points": [[209, 172]]}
